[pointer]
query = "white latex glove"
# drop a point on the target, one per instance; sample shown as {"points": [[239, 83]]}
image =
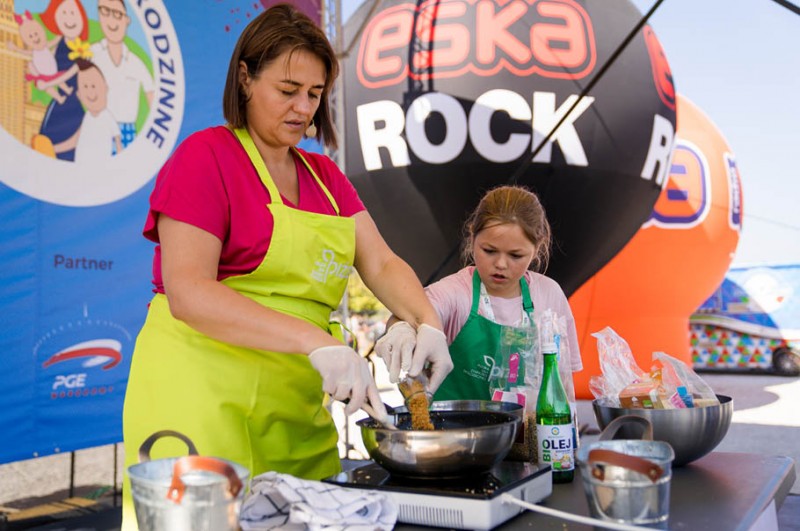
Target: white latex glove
{"points": [[396, 347], [345, 375], [431, 349]]}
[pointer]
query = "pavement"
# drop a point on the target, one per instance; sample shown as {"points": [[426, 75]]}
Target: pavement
{"points": [[766, 420]]}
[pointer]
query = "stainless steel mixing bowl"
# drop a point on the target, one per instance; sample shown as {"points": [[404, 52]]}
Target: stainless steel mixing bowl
{"points": [[469, 438], [472, 405], [692, 432]]}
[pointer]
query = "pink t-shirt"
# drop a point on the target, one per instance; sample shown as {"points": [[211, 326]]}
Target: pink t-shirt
{"points": [[209, 182], [452, 298]]}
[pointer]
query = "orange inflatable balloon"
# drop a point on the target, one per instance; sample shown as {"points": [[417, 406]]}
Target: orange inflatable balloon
{"points": [[647, 292]]}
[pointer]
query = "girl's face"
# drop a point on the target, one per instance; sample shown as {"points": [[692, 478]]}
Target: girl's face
{"points": [[502, 254], [69, 20]]}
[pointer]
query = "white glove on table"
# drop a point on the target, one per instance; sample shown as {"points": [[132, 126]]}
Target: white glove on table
{"points": [[345, 375], [396, 347], [431, 348]]}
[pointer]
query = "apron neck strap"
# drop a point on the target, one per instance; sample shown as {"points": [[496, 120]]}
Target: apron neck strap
{"points": [[479, 295], [255, 157], [476, 291], [263, 173], [527, 302]]}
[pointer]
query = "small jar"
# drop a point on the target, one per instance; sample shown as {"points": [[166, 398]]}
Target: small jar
{"points": [[418, 400], [410, 387]]}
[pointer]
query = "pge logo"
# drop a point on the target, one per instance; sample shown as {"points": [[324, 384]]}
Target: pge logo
{"points": [[551, 38], [88, 120], [686, 200], [105, 353]]}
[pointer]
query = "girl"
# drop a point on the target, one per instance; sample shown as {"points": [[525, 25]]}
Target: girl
{"points": [[506, 237]]}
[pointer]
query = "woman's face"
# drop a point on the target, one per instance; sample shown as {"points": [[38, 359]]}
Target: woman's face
{"points": [[284, 97], [68, 19], [502, 254]]}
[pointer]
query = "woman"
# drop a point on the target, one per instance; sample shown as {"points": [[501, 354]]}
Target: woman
{"points": [[507, 235], [256, 241], [61, 122]]}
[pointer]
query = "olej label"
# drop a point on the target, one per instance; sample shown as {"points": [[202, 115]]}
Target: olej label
{"points": [[555, 446]]}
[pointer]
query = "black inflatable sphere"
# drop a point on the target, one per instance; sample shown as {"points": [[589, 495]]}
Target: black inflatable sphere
{"points": [[445, 99]]}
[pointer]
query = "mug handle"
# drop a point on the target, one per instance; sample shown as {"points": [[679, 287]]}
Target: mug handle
{"points": [[195, 462], [615, 425], [631, 462], [147, 445]]}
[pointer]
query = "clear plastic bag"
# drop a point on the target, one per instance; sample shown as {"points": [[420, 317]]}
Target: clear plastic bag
{"points": [[669, 384], [618, 366], [515, 360], [681, 379], [517, 369]]}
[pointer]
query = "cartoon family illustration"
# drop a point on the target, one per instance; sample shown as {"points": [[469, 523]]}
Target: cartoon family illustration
{"points": [[94, 87]]}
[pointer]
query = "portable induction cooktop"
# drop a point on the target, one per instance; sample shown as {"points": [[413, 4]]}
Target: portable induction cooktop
{"points": [[471, 502]]}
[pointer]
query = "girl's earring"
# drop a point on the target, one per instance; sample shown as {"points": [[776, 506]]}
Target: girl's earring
{"points": [[311, 132]]}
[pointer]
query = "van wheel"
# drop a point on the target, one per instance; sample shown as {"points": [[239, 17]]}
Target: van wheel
{"points": [[786, 362]]}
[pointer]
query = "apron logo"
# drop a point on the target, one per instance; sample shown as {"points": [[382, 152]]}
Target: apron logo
{"points": [[327, 267]]}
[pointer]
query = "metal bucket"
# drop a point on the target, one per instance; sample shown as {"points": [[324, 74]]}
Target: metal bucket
{"points": [[189, 493], [628, 481]]}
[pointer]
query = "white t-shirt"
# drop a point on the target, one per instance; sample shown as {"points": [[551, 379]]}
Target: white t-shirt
{"points": [[96, 138], [123, 81], [452, 298]]}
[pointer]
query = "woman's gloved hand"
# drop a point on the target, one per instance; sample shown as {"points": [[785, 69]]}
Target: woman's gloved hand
{"points": [[345, 375], [396, 347], [431, 348]]}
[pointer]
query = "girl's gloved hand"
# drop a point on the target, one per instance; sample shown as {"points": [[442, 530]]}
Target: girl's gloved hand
{"points": [[396, 348], [431, 348], [345, 375]]}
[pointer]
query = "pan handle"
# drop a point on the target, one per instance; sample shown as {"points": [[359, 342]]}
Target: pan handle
{"points": [[631, 462], [615, 425], [147, 445], [195, 462]]}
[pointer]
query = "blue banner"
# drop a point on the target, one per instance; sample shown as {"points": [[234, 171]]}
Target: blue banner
{"points": [[94, 97]]}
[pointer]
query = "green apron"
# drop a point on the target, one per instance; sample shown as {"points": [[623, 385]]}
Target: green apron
{"points": [[263, 410], [474, 349]]}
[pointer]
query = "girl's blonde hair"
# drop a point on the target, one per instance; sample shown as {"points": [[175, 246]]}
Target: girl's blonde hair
{"points": [[511, 204]]}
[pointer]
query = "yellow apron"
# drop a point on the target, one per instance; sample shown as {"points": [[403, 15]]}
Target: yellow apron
{"points": [[261, 409]]}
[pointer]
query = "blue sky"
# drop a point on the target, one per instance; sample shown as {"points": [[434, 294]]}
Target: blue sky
{"points": [[738, 61]]}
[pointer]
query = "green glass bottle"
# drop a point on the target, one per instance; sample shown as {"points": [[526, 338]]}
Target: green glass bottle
{"points": [[554, 420]]}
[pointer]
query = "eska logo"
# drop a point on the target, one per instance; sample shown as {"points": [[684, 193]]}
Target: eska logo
{"points": [[446, 39], [662, 74], [686, 199]]}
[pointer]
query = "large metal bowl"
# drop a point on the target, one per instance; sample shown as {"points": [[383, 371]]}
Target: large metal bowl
{"points": [[472, 405], [470, 437], [692, 432]]}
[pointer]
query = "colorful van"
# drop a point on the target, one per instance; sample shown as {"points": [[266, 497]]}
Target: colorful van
{"points": [[750, 323]]}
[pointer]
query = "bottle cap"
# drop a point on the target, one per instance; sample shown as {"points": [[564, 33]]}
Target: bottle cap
{"points": [[549, 348]]}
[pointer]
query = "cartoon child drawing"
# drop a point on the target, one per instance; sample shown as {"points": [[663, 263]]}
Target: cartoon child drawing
{"points": [[125, 73], [98, 137], [42, 68]]}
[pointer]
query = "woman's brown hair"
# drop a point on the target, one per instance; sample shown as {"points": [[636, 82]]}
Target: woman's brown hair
{"points": [[511, 204], [273, 32]]}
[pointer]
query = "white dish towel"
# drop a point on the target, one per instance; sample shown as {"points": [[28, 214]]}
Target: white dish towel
{"points": [[283, 501]]}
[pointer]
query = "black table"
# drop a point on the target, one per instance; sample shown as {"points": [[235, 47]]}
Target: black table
{"points": [[720, 492]]}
